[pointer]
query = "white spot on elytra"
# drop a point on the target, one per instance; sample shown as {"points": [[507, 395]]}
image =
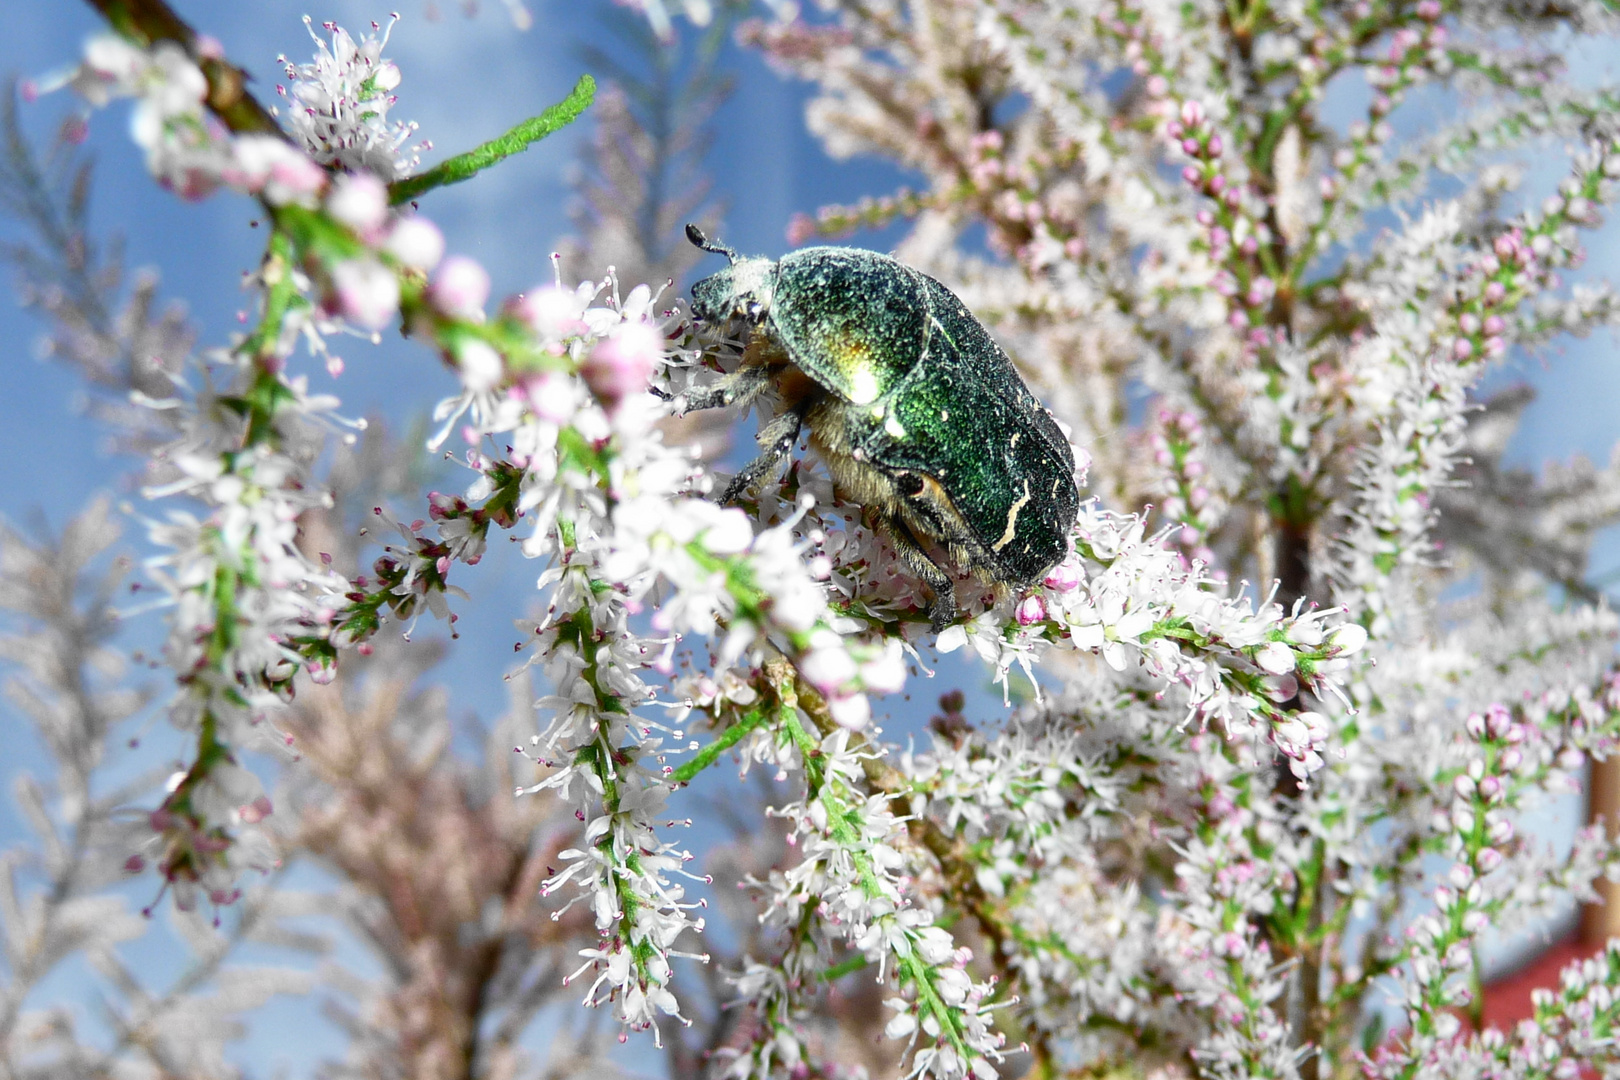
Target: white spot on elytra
{"points": [[1012, 520]]}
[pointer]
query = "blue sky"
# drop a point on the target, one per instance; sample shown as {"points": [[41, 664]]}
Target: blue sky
{"points": [[467, 79]]}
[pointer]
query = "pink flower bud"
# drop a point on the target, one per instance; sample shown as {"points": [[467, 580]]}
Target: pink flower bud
{"points": [[622, 363], [1280, 688], [828, 669], [1488, 859], [886, 674], [1031, 610], [1275, 657], [255, 811], [1499, 722], [1192, 113], [460, 288], [481, 366], [386, 77], [1462, 348], [293, 179], [552, 313], [1064, 577], [416, 242], [366, 291], [853, 712], [1495, 324], [360, 201]]}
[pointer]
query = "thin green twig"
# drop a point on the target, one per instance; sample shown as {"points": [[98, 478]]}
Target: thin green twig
{"points": [[465, 166]]}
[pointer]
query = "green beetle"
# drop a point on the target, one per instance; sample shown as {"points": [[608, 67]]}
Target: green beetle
{"points": [[918, 413]]}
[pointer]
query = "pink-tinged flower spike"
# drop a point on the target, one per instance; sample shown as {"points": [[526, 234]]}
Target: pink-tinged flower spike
{"points": [[366, 293], [460, 288]]}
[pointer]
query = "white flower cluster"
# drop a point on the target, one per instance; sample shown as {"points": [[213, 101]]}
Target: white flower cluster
{"points": [[1439, 308], [1126, 596], [251, 608], [1513, 755], [620, 518], [851, 884], [244, 596], [338, 106], [187, 150]]}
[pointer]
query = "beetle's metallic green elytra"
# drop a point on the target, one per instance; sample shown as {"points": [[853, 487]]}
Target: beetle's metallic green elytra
{"points": [[919, 414]]}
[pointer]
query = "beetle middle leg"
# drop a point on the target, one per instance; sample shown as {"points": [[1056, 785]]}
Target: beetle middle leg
{"points": [[942, 612], [776, 439]]}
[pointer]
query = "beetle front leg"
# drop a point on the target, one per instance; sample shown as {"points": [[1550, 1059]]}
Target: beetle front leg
{"points": [[776, 439], [743, 385], [942, 612]]}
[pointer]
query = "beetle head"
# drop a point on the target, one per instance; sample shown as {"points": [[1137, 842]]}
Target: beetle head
{"points": [[741, 290]]}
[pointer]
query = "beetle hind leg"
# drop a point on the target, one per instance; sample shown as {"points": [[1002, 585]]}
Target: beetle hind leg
{"points": [[942, 611], [776, 439]]}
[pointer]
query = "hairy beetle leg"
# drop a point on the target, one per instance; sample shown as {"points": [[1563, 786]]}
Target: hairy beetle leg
{"points": [[942, 612], [743, 385], [777, 439]]}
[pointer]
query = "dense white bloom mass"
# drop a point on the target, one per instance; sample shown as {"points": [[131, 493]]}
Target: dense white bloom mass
{"points": [[1227, 820]]}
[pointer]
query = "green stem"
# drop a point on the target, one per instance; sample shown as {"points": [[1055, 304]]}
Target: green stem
{"points": [[725, 741], [465, 166]]}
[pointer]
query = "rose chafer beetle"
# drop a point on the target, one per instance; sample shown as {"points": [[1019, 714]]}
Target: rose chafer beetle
{"points": [[918, 413]]}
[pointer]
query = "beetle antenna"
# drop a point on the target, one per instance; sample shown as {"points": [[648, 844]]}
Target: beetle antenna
{"points": [[695, 235]]}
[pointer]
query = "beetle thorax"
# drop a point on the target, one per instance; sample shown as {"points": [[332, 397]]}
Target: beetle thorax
{"points": [[752, 283]]}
